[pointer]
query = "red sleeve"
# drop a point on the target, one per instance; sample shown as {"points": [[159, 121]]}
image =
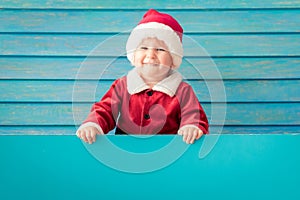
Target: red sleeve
{"points": [[105, 112], [192, 112]]}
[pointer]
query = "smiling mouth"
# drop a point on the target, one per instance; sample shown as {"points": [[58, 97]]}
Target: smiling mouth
{"points": [[150, 65]]}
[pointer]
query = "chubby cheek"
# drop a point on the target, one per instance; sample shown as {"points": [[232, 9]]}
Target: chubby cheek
{"points": [[167, 64], [137, 59], [167, 60]]}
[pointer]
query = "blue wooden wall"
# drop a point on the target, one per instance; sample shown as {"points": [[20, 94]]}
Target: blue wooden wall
{"points": [[254, 45], [58, 57]]}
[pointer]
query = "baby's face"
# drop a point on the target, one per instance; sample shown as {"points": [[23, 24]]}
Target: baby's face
{"points": [[153, 59]]}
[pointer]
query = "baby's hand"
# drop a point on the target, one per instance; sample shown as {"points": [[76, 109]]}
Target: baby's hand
{"points": [[190, 134], [88, 134]]}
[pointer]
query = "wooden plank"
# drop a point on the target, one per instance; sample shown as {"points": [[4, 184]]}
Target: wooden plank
{"points": [[145, 4], [236, 114], [227, 129], [84, 91], [110, 45], [108, 68], [236, 163], [192, 21]]}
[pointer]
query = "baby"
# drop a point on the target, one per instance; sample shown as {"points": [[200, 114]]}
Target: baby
{"points": [[151, 98]]}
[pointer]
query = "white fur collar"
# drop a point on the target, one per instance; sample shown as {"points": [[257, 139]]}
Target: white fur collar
{"points": [[169, 85]]}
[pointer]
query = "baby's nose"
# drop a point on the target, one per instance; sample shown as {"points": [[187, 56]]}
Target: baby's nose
{"points": [[150, 52]]}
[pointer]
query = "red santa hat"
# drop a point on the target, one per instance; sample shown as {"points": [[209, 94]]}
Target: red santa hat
{"points": [[162, 26]]}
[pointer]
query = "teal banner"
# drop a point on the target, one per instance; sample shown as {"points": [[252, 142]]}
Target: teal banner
{"points": [[158, 167]]}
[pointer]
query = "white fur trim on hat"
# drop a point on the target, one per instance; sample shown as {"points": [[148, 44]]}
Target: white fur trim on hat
{"points": [[161, 32]]}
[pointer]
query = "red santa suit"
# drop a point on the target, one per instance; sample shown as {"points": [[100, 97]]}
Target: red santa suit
{"points": [[133, 107]]}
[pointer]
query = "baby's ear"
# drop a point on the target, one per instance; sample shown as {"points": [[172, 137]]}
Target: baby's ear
{"points": [[132, 61], [172, 65], [176, 62]]}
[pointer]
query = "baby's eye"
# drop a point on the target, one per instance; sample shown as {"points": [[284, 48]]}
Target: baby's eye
{"points": [[160, 49], [143, 48]]}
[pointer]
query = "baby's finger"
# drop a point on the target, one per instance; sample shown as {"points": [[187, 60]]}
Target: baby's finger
{"points": [[93, 135], [84, 136], [89, 136], [184, 136], [180, 132], [78, 133], [188, 137], [193, 135], [199, 134]]}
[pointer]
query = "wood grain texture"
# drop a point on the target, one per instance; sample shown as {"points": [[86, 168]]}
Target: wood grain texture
{"points": [[70, 114], [66, 68], [145, 4], [91, 91], [114, 45], [192, 21], [249, 47]]}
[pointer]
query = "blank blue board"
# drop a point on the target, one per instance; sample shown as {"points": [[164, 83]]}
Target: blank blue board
{"points": [[238, 167]]}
